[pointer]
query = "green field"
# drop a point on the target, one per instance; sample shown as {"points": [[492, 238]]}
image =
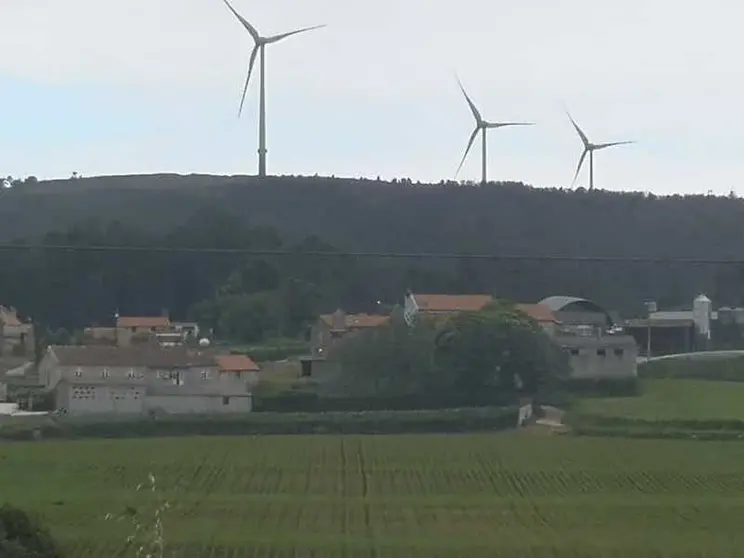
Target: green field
{"points": [[481, 495], [672, 400]]}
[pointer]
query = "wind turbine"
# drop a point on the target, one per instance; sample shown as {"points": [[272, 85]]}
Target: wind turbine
{"points": [[590, 148], [260, 46], [481, 126]]}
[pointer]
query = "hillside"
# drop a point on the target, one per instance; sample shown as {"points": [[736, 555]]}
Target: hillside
{"points": [[375, 216], [371, 215]]}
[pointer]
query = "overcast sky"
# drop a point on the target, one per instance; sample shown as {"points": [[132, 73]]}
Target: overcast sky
{"points": [[145, 86]]}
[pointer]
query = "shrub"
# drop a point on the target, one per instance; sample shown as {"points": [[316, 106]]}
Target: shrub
{"points": [[22, 536], [366, 422]]}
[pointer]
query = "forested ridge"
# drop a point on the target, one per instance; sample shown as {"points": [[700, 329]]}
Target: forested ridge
{"points": [[326, 214]]}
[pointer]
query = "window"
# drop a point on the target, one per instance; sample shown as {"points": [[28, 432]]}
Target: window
{"points": [[130, 374], [601, 352], [205, 374], [225, 400], [78, 372], [106, 373], [574, 352], [307, 368], [619, 353], [133, 329]]}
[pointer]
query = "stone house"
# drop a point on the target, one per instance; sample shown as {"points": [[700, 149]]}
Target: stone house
{"points": [[16, 336], [140, 329], [147, 379], [443, 304], [326, 335]]}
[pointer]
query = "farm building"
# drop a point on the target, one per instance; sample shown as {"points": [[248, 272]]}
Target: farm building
{"points": [[147, 379]]}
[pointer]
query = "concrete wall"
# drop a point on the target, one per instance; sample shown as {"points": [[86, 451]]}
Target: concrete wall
{"points": [[201, 404], [78, 399], [606, 357], [134, 400]]}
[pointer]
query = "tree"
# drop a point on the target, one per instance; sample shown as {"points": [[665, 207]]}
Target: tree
{"points": [[390, 360], [498, 348], [22, 536], [474, 357]]}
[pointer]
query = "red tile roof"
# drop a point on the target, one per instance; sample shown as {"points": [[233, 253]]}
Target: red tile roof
{"points": [[236, 363], [539, 312], [451, 303], [143, 321], [358, 321]]}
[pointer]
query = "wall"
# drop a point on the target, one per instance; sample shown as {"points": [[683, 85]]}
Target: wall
{"points": [[91, 399], [604, 357], [202, 404], [3, 392]]}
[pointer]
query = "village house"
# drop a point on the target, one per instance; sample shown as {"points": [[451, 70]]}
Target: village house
{"points": [[146, 379], [597, 349], [326, 335], [16, 336], [442, 304], [132, 330]]}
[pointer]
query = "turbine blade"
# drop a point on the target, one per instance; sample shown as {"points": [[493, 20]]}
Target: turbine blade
{"points": [[467, 150], [248, 77], [473, 108], [613, 144], [504, 124], [241, 19], [578, 169], [582, 135], [277, 38]]}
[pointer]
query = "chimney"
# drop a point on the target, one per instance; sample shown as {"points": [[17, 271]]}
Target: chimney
{"points": [[338, 320]]}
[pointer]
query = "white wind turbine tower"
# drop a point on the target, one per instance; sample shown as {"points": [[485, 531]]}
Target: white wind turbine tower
{"points": [[590, 148], [260, 46], [481, 126]]}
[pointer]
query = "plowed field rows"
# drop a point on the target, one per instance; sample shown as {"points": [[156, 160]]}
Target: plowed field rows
{"points": [[447, 496]]}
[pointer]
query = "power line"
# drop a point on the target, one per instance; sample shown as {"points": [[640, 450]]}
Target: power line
{"points": [[364, 255]]}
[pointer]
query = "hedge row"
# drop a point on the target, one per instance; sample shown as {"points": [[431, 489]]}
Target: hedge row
{"points": [[597, 421], [722, 370], [311, 402], [374, 422], [659, 434]]}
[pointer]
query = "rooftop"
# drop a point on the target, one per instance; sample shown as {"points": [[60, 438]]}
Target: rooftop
{"points": [[358, 321], [143, 321], [539, 312], [452, 302], [236, 363]]}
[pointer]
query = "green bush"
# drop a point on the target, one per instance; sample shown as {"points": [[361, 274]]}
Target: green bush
{"points": [[725, 370], [602, 388], [22, 536], [311, 402], [366, 422]]}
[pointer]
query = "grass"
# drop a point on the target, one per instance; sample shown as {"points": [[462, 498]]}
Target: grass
{"points": [[673, 400], [424, 495]]}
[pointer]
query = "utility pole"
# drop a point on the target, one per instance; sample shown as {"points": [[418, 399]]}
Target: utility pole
{"points": [[650, 309]]}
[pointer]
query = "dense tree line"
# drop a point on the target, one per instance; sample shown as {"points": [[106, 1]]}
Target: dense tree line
{"points": [[307, 214], [473, 358]]}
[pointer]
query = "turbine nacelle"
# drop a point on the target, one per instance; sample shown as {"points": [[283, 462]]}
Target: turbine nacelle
{"points": [[481, 125], [590, 148]]}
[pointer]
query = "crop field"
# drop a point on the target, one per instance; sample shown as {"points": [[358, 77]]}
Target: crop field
{"points": [[481, 495], [671, 399]]}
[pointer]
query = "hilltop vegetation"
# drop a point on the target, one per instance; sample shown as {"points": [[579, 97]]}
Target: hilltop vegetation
{"points": [[359, 216]]}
